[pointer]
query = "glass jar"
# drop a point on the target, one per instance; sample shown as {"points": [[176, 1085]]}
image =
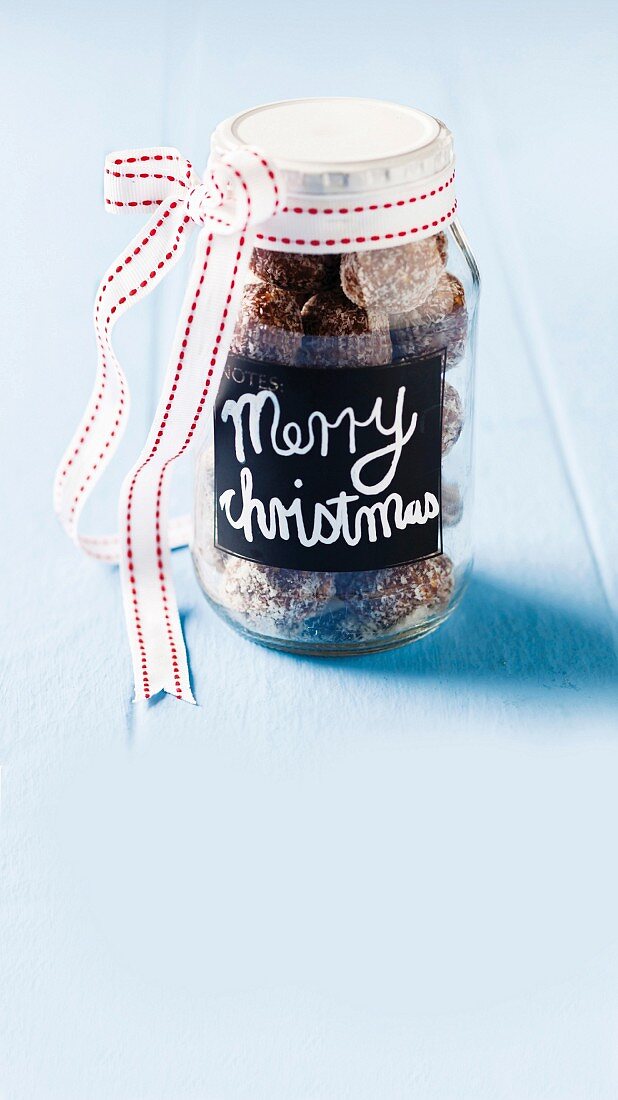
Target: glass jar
{"points": [[333, 495]]}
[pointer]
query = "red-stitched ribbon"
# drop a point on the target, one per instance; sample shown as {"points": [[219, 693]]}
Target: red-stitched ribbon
{"points": [[240, 202], [239, 192]]}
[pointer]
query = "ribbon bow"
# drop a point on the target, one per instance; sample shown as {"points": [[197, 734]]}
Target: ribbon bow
{"points": [[239, 192]]}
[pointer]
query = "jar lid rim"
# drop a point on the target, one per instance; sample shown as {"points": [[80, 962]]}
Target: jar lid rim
{"points": [[334, 144]]}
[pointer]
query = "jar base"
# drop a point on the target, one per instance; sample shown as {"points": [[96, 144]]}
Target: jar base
{"points": [[303, 647], [357, 649]]}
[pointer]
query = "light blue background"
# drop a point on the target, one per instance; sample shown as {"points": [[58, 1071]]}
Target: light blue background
{"points": [[382, 880]]}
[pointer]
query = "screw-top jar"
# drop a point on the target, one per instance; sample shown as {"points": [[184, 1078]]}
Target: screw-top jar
{"points": [[333, 496]]}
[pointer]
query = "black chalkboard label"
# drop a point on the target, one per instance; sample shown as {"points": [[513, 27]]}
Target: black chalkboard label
{"points": [[330, 469]]}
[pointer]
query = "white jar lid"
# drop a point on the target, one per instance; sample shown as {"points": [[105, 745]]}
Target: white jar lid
{"points": [[328, 146]]}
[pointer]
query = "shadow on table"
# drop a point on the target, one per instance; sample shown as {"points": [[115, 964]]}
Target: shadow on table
{"points": [[500, 635]]}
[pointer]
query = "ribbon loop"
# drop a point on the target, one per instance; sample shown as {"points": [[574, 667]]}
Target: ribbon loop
{"points": [[145, 177]]}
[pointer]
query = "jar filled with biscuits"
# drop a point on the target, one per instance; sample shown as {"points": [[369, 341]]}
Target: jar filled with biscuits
{"points": [[333, 492]]}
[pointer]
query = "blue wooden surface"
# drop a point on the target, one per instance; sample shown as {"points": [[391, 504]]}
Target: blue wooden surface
{"points": [[389, 878]]}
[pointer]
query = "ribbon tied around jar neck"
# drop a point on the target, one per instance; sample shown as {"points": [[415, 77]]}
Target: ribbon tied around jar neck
{"points": [[237, 205], [237, 193]]}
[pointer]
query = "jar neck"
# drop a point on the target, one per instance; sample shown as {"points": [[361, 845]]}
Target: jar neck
{"points": [[382, 219]]}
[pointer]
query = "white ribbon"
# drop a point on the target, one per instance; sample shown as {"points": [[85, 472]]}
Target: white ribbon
{"points": [[238, 193], [241, 191]]}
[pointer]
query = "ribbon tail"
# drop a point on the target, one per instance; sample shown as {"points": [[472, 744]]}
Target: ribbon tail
{"points": [[199, 351], [136, 272]]}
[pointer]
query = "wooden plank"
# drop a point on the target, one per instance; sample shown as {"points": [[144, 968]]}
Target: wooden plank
{"points": [[544, 178], [379, 878]]}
